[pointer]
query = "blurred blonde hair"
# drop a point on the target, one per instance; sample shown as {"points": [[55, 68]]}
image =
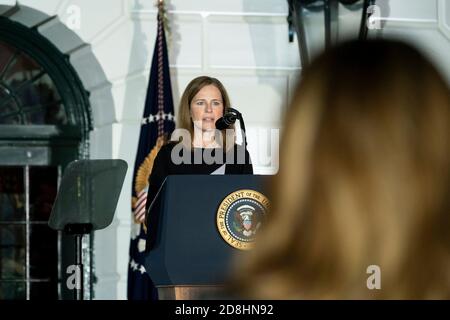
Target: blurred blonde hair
{"points": [[184, 116], [363, 180]]}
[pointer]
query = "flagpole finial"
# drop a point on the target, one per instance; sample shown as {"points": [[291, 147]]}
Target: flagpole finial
{"points": [[160, 4]]}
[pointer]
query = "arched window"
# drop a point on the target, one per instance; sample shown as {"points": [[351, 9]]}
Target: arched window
{"points": [[44, 124], [28, 95]]}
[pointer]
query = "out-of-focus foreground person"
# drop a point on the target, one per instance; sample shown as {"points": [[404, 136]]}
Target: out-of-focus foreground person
{"points": [[364, 180]]}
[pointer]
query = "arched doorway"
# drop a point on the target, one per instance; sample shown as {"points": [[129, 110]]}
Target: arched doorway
{"points": [[44, 124]]}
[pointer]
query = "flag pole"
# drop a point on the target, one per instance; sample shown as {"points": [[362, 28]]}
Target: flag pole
{"points": [[156, 124]]}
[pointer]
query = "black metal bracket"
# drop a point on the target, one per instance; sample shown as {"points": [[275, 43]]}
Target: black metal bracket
{"points": [[331, 15], [78, 228], [365, 16]]}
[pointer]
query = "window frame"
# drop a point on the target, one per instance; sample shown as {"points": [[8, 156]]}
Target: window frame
{"points": [[69, 86]]}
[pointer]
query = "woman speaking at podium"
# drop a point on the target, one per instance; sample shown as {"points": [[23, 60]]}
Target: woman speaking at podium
{"points": [[199, 148]]}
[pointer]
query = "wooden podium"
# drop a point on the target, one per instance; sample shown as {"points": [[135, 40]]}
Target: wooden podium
{"points": [[187, 258], [179, 292]]}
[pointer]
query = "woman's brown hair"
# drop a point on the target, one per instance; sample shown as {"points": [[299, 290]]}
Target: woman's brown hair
{"points": [[184, 116], [364, 180]]}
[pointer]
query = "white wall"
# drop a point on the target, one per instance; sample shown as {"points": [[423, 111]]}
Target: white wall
{"points": [[423, 23], [242, 42]]}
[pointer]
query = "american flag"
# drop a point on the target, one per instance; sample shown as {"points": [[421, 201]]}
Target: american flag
{"points": [[157, 124], [139, 207]]}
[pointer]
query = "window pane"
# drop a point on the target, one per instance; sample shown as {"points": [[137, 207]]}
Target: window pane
{"points": [[42, 103], [23, 69], [12, 198], [43, 185], [43, 253], [6, 54], [12, 252], [27, 93], [10, 118], [9, 106], [12, 290]]}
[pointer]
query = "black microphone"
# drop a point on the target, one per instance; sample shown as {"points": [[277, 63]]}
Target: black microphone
{"points": [[228, 119]]}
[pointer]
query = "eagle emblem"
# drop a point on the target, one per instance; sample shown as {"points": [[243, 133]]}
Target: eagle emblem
{"points": [[245, 220], [239, 217]]}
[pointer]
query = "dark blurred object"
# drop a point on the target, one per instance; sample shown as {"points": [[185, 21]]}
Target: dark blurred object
{"points": [[363, 184]]}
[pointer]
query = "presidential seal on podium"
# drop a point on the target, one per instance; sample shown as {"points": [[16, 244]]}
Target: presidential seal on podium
{"points": [[239, 217]]}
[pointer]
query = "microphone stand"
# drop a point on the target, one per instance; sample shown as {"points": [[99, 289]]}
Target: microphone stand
{"points": [[242, 124], [230, 118], [244, 133]]}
